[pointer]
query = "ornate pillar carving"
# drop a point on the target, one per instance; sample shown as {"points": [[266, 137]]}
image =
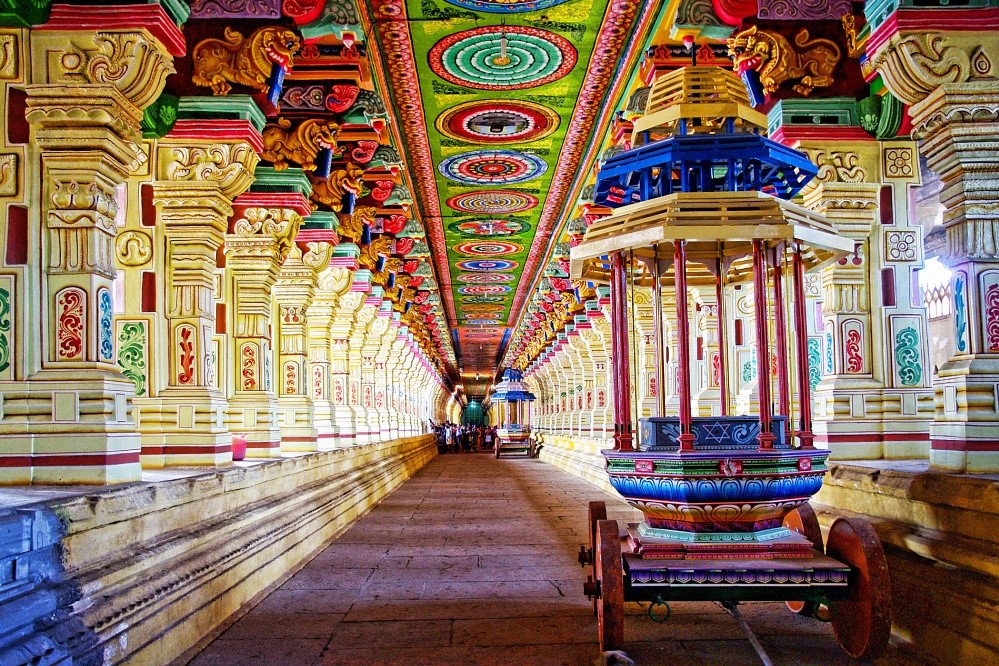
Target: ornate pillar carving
{"points": [[196, 180], [333, 283], [344, 384], [293, 293], [949, 77], [260, 237], [70, 422]]}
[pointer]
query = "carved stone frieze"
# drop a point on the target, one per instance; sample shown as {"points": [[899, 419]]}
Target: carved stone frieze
{"points": [[230, 165], [9, 183], [9, 56]]}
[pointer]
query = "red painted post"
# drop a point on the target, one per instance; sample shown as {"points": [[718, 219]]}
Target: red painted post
{"points": [[805, 435], [780, 332], [723, 375], [766, 438], [683, 343], [619, 355]]}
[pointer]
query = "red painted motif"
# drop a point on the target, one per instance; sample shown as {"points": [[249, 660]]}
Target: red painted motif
{"points": [[364, 151], [185, 343], [248, 365], [645, 466], [317, 382], [992, 317], [854, 360], [290, 378], [341, 97], [381, 191], [70, 334]]}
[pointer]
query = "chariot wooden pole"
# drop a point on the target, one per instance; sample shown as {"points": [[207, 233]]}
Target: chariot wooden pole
{"points": [[766, 438], [619, 355], [780, 333], [805, 435], [722, 351], [683, 343]]}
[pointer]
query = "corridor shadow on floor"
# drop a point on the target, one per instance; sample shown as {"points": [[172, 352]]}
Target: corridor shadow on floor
{"points": [[473, 561]]}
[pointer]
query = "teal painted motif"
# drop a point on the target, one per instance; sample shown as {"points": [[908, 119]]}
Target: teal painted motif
{"points": [[814, 362], [907, 357], [104, 321], [132, 354], [961, 319], [829, 354], [4, 330]]}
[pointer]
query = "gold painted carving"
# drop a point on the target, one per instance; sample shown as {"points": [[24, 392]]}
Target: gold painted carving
{"points": [[8, 56], [129, 61], [243, 60], [351, 226], [134, 248], [371, 251], [76, 205], [230, 165], [8, 175], [915, 65], [318, 255], [837, 167], [330, 192], [283, 145], [777, 61]]}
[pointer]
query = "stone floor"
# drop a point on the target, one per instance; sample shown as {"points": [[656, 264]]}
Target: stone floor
{"points": [[473, 561]]}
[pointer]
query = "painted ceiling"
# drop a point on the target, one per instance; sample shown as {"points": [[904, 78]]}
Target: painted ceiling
{"points": [[498, 103]]}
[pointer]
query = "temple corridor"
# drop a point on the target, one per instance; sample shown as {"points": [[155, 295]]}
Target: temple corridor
{"points": [[473, 561]]}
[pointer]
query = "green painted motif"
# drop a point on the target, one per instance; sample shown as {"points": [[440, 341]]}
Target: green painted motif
{"points": [[4, 330], [910, 372], [24, 13], [132, 354], [814, 363]]}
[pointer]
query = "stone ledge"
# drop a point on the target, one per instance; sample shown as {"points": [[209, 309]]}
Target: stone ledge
{"points": [[149, 570]]}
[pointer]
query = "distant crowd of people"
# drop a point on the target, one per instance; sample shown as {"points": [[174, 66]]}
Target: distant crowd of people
{"points": [[454, 438]]}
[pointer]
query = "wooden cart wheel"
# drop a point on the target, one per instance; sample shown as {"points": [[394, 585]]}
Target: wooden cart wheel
{"points": [[862, 623], [804, 521], [597, 512], [610, 606]]}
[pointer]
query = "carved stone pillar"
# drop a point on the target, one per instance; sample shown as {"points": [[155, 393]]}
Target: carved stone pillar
{"points": [[361, 364], [293, 293], [196, 181], [68, 421], [333, 283], [597, 346], [343, 385], [260, 236], [949, 77]]}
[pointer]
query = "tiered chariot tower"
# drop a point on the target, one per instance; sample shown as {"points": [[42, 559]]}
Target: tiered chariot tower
{"points": [[703, 199]]}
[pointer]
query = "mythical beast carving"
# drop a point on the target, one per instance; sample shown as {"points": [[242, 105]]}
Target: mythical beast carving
{"points": [[330, 192], [282, 145], [243, 60], [776, 61]]}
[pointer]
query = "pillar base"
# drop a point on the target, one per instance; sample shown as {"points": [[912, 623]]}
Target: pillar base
{"points": [[345, 430], [298, 431], [254, 416], [707, 402], [68, 427], [184, 427]]}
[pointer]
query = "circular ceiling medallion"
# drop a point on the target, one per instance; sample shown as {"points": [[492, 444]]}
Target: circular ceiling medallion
{"points": [[486, 278], [505, 6], [494, 227], [487, 265], [497, 121], [492, 202], [485, 289], [483, 307], [487, 248], [500, 57], [483, 299], [488, 167]]}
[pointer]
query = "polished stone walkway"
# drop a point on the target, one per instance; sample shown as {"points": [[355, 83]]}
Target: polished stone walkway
{"points": [[473, 561]]}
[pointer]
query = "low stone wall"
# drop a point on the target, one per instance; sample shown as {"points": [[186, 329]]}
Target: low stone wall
{"points": [[941, 537], [142, 573]]}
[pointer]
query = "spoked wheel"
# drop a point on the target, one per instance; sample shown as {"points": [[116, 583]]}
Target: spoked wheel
{"points": [[862, 623], [804, 521], [597, 512], [610, 575]]}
